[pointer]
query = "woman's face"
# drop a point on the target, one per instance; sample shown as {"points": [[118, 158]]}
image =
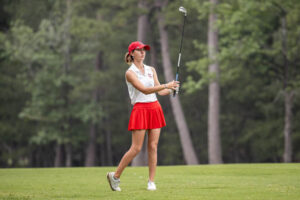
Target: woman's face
{"points": [[139, 54]]}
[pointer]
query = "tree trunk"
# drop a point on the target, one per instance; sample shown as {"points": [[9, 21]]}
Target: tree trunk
{"points": [[108, 144], [288, 98], [65, 85], [68, 155], [90, 156], [214, 144], [102, 154], [142, 21], [58, 155], [288, 104], [106, 150], [185, 139], [153, 54], [142, 158], [91, 148]]}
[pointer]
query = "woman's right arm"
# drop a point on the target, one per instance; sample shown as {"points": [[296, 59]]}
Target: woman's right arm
{"points": [[131, 77]]}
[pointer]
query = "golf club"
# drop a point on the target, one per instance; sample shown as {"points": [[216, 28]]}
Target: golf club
{"points": [[183, 10]]}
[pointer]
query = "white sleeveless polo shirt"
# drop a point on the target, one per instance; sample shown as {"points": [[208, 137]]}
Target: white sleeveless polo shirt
{"points": [[147, 80]]}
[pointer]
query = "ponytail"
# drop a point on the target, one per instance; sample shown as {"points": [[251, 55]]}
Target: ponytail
{"points": [[128, 58]]}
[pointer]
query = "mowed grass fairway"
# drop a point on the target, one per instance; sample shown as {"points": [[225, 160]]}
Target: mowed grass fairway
{"points": [[213, 182]]}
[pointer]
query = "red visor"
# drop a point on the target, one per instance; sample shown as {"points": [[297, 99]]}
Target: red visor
{"points": [[138, 45]]}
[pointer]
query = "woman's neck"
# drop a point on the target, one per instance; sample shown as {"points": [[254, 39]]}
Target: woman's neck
{"points": [[139, 65]]}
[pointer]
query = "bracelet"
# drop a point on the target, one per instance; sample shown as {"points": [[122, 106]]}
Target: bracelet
{"points": [[165, 86]]}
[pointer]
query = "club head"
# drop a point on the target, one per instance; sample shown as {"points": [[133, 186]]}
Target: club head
{"points": [[182, 9]]}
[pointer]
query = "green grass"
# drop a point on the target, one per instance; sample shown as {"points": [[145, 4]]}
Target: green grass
{"points": [[238, 181]]}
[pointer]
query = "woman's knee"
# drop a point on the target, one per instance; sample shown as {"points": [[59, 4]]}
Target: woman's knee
{"points": [[135, 149], [152, 147]]}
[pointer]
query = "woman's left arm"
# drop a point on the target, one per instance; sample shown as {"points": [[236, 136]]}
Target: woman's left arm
{"points": [[156, 82]]}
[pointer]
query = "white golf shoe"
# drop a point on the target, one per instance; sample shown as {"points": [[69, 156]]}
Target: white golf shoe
{"points": [[151, 186], [113, 182]]}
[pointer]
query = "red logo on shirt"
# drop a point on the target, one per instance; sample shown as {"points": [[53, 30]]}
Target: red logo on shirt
{"points": [[150, 75]]}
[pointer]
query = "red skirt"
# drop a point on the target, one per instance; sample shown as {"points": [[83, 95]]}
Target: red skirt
{"points": [[146, 116]]}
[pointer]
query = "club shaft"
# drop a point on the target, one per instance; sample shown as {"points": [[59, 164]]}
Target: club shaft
{"points": [[179, 55]]}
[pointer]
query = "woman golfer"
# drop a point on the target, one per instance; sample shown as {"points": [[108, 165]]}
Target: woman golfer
{"points": [[146, 114]]}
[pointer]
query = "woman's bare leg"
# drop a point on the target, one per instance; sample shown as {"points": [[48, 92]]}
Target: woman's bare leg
{"points": [[136, 146], [153, 137]]}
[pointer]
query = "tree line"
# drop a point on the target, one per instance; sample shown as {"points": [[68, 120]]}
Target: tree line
{"points": [[64, 101]]}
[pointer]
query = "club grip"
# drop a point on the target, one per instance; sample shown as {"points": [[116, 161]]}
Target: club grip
{"points": [[174, 92]]}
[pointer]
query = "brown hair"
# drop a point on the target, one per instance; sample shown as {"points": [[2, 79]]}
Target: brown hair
{"points": [[128, 58]]}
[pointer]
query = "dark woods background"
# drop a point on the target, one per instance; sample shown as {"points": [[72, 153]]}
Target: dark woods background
{"points": [[64, 101]]}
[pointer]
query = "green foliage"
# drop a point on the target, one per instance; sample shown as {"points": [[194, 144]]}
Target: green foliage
{"points": [[42, 53], [252, 75], [14, 133]]}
